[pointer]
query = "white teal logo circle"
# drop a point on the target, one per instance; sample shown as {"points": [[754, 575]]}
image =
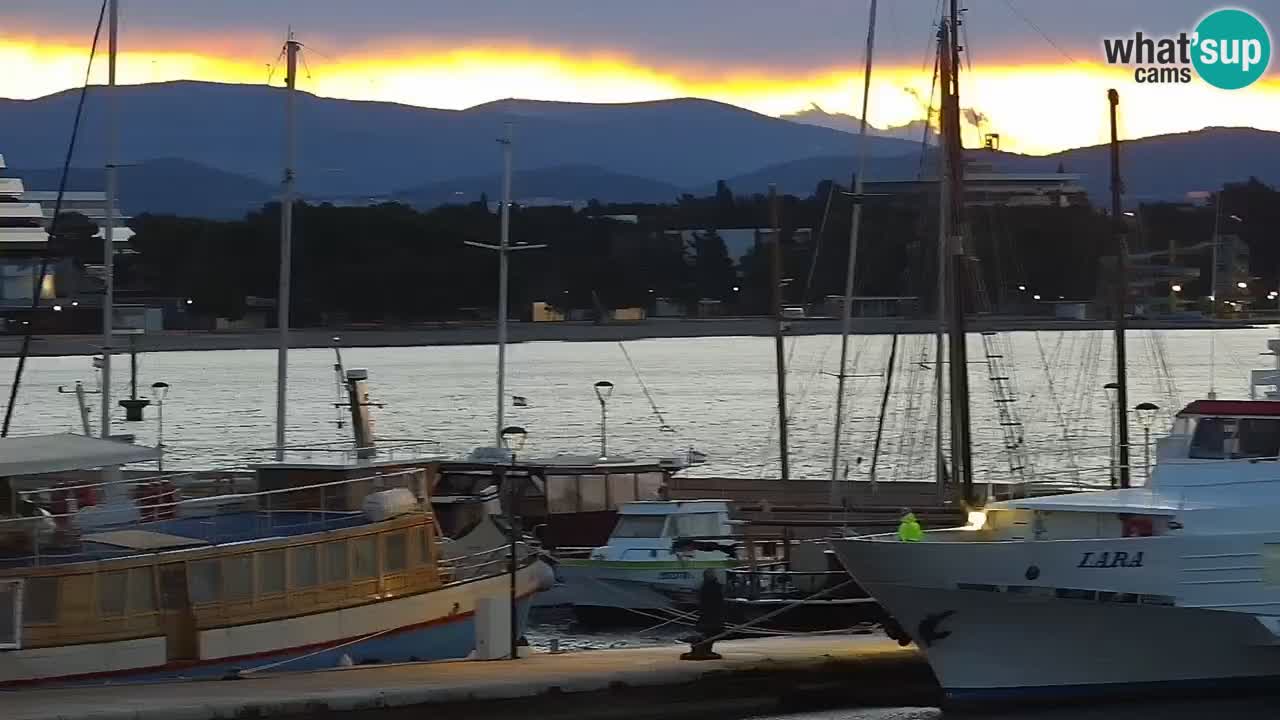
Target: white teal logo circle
{"points": [[1232, 50]]}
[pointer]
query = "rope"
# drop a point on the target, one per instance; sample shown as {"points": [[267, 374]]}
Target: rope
{"points": [[664, 426]]}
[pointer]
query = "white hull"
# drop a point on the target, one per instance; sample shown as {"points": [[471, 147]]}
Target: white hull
{"points": [[1003, 621], [1001, 647]]}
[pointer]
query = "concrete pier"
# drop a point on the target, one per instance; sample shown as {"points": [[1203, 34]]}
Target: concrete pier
{"points": [[764, 675]]}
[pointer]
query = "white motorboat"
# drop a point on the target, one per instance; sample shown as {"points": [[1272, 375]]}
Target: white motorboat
{"points": [[1173, 586]]}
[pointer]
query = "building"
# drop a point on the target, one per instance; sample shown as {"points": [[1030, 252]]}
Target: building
{"points": [[984, 187], [23, 240]]}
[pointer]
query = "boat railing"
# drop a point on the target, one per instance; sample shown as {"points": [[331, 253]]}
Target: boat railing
{"points": [[387, 449], [52, 536]]}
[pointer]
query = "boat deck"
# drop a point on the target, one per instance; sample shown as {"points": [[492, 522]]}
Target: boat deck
{"points": [[637, 680]]}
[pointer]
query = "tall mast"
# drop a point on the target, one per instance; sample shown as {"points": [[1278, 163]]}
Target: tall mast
{"points": [[286, 243], [1122, 280], [775, 277], [961, 456], [846, 311], [944, 232], [504, 250], [108, 232]]}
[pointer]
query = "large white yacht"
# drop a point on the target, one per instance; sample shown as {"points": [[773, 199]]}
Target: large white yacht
{"points": [[1170, 586]]}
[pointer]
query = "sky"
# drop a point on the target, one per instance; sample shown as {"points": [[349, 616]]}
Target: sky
{"points": [[1034, 69]]}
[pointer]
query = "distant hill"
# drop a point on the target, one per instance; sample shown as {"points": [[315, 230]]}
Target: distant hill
{"points": [[215, 149], [370, 148], [167, 185], [1164, 167], [567, 182]]}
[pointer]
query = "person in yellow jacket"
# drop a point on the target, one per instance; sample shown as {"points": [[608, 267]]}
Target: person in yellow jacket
{"points": [[909, 527]]}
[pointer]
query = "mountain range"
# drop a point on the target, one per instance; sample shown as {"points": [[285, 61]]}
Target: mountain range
{"points": [[215, 150]]}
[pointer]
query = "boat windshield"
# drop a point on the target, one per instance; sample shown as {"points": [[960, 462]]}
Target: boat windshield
{"points": [[1218, 438], [640, 526]]}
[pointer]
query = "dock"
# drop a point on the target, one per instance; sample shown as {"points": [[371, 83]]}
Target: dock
{"points": [[754, 676]]}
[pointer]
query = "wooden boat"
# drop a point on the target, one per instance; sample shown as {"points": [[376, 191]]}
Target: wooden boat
{"points": [[268, 580]]}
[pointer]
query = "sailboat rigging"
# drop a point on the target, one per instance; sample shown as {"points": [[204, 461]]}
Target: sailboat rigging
{"points": [[846, 309]]}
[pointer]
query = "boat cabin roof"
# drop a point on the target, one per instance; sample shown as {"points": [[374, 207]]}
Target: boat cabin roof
{"points": [[1142, 501], [37, 454], [673, 507], [1231, 408]]}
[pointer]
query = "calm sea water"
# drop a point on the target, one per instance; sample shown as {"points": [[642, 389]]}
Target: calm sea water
{"points": [[718, 394]]}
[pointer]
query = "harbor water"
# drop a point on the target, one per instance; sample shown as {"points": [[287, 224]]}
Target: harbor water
{"points": [[713, 394]]}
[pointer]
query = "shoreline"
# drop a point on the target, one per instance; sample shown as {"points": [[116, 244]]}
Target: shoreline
{"points": [[444, 334]]}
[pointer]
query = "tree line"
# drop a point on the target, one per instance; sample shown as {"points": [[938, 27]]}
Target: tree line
{"points": [[391, 263]]}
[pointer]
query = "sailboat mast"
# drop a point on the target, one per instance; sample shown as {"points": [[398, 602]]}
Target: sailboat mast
{"points": [[109, 219], [846, 310], [961, 456], [944, 232], [504, 250], [775, 278], [1122, 281], [286, 244]]}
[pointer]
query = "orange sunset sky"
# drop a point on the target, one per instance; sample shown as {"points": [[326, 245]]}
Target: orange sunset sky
{"points": [[1037, 74]]}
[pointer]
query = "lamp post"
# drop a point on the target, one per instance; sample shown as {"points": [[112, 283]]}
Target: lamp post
{"points": [[513, 439], [604, 389], [161, 391], [1111, 387], [1146, 415]]}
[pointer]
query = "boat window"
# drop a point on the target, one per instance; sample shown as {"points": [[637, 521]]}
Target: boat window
{"points": [[142, 590], [10, 619], [562, 494], [40, 600], [1257, 438], [1209, 440], [111, 593], [639, 526], [622, 488], [237, 578], [304, 566], [595, 491], [271, 572], [698, 525], [206, 581], [364, 558], [394, 560], [335, 562], [648, 485]]}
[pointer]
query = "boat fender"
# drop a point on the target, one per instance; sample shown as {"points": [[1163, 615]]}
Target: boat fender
{"points": [[345, 661], [388, 504], [895, 632]]}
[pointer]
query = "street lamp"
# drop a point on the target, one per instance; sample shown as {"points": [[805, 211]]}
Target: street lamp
{"points": [[1022, 288], [1242, 285], [1111, 389], [161, 391], [1146, 415], [604, 389], [1176, 288], [513, 438], [1035, 297]]}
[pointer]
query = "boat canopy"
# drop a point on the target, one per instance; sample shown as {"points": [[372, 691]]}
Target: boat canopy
{"points": [[36, 454]]}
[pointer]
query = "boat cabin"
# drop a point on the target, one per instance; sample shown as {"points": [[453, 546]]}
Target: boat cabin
{"points": [[689, 529]]}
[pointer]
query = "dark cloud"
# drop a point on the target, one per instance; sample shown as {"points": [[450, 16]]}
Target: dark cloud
{"points": [[714, 34]]}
